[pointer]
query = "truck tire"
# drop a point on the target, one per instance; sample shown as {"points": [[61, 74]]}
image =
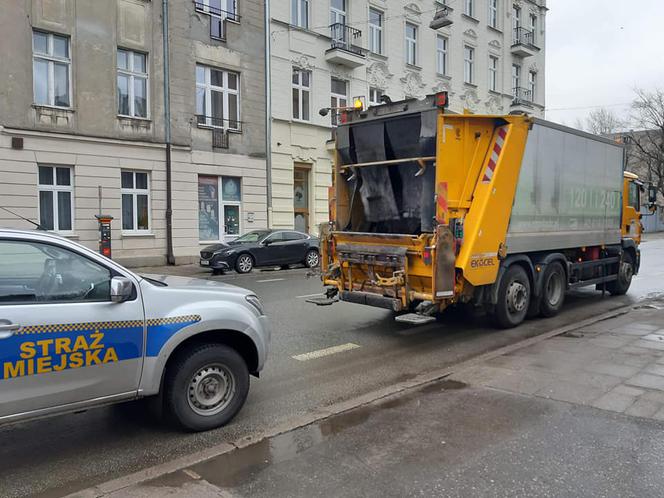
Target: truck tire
{"points": [[553, 290], [206, 386], [513, 298], [620, 286]]}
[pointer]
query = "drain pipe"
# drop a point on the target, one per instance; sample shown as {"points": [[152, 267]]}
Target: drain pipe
{"points": [[268, 112], [170, 257]]}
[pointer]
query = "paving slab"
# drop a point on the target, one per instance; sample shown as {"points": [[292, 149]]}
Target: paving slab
{"points": [[647, 380]]}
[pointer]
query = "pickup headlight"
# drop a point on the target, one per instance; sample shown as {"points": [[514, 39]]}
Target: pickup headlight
{"points": [[256, 303]]}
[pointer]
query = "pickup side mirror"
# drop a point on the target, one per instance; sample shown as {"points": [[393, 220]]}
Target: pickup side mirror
{"points": [[121, 289], [652, 194]]}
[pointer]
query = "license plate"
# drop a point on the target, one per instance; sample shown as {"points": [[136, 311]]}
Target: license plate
{"points": [[205, 262]]}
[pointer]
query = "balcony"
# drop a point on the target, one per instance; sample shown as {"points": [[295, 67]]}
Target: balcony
{"points": [[346, 48], [523, 43], [522, 99], [442, 17], [218, 17]]}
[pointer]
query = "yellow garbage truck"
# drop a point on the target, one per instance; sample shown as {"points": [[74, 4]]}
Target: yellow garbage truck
{"points": [[433, 209]]}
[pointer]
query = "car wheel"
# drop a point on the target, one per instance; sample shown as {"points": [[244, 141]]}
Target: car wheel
{"points": [[312, 259], [553, 290], [620, 286], [513, 298], [206, 386], [244, 263]]}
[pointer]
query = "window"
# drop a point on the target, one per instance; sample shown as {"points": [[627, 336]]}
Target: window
{"points": [[35, 273], [300, 12], [493, 73], [532, 84], [56, 191], [132, 84], [441, 55], [217, 98], [339, 98], [516, 78], [411, 44], [374, 96], [212, 226], [493, 13], [469, 8], [51, 69], [516, 18], [290, 236], [375, 31], [338, 12], [533, 26], [301, 89], [135, 201], [634, 197], [468, 64]]}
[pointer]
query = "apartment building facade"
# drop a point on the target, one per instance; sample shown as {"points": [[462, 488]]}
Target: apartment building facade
{"points": [[487, 54], [83, 122]]}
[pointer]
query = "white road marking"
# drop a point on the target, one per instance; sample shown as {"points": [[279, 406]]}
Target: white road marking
{"points": [[191, 474], [325, 352], [270, 280], [310, 295]]}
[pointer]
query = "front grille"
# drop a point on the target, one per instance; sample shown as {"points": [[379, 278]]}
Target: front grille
{"points": [[206, 255]]}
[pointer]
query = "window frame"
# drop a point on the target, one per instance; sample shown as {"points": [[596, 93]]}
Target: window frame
{"points": [[221, 206], [516, 78], [334, 115], [132, 74], [377, 31], [208, 87], [411, 43], [378, 92], [532, 84], [51, 59], [135, 192], [445, 52], [494, 64], [469, 64], [299, 86], [533, 27], [337, 13], [469, 8], [494, 16], [296, 14], [55, 189]]}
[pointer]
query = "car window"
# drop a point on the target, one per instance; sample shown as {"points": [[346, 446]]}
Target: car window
{"points": [[275, 237], [293, 236], [36, 272]]}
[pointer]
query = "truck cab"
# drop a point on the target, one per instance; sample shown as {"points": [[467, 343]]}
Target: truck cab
{"points": [[631, 211]]}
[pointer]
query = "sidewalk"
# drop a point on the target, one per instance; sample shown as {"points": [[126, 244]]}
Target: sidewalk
{"points": [[579, 414]]}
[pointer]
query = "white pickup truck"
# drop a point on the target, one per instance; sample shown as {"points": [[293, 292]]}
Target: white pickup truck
{"points": [[78, 330]]}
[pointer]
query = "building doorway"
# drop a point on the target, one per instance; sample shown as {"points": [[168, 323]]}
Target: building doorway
{"points": [[301, 197]]}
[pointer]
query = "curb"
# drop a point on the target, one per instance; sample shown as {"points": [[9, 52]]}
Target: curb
{"points": [[323, 413]]}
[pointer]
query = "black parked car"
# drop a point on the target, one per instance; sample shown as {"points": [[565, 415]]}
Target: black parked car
{"points": [[262, 248]]}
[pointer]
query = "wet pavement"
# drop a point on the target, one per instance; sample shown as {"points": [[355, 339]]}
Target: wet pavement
{"points": [[72, 452]]}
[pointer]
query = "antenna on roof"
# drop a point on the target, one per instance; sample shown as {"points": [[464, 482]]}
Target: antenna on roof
{"points": [[39, 227]]}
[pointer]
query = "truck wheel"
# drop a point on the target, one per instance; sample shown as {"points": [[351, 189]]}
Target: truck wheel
{"points": [[553, 290], [206, 386], [244, 263], [513, 298], [621, 285]]}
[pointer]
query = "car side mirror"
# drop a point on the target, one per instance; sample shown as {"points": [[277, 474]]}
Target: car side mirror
{"points": [[121, 289], [267, 242], [652, 194]]}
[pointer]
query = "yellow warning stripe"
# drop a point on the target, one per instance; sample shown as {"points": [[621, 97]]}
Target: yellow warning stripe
{"points": [[73, 327]]}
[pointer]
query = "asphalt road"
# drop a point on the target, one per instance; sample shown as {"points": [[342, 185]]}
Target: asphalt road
{"points": [[67, 453]]}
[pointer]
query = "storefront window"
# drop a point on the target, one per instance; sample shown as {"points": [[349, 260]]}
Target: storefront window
{"points": [[212, 205]]}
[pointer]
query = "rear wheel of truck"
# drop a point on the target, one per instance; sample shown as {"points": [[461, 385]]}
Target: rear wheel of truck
{"points": [[206, 386], [513, 298], [621, 285], [553, 290]]}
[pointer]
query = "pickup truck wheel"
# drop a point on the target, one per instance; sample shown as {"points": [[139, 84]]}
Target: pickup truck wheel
{"points": [[553, 290], [244, 263], [206, 386], [312, 258], [620, 286], [513, 298]]}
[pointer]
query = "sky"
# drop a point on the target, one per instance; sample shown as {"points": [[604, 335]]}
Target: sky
{"points": [[598, 51]]}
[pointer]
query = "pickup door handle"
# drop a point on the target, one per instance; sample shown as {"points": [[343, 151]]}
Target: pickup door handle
{"points": [[7, 329]]}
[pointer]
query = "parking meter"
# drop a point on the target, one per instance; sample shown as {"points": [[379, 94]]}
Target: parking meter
{"points": [[104, 234]]}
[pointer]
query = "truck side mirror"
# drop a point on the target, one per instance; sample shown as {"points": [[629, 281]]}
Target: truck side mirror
{"points": [[652, 194]]}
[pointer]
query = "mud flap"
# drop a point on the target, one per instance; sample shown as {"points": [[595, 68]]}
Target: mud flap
{"points": [[443, 264]]}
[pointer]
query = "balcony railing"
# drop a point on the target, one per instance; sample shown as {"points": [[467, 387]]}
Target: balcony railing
{"points": [[442, 17], [346, 38], [522, 96], [218, 17], [219, 123], [523, 36]]}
